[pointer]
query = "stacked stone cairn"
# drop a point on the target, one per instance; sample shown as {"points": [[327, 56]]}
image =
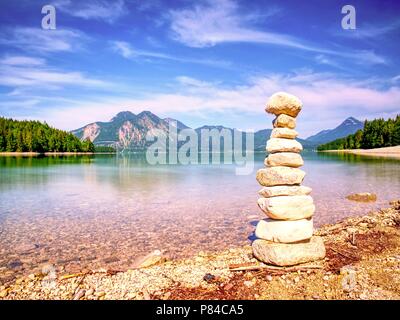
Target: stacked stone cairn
{"points": [[285, 238]]}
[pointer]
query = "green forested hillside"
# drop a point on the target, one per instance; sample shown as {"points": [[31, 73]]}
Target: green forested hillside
{"points": [[34, 136], [377, 133]]}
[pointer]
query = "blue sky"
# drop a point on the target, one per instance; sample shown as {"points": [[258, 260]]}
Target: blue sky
{"points": [[202, 62]]}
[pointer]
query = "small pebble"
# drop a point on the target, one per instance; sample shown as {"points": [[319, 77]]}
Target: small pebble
{"points": [[89, 292], [3, 293], [167, 295], [363, 296], [146, 295], [132, 295], [209, 278], [80, 294], [228, 286]]}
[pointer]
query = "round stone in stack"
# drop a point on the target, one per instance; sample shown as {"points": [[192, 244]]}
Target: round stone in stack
{"points": [[284, 121], [287, 207], [286, 159], [284, 133], [274, 191], [284, 231], [280, 176], [289, 254], [275, 145]]}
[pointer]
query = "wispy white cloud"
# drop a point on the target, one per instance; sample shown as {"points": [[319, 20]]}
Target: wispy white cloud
{"points": [[323, 59], [213, 22], [22, 61], [20, 103], [360, 56], [39, 40], [220, 21], [396, 79], [108, 11], [195, 83], [18, 71], [128, 52], [124, 49]]}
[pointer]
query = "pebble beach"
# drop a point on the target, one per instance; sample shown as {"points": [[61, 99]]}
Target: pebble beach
{"points": [[362, 262]]}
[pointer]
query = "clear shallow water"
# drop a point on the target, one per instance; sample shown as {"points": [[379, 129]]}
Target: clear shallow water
{"points": [[107, 211]]}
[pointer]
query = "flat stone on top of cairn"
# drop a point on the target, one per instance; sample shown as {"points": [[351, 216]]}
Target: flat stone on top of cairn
{"points": [[286, 236], [284, 103]]}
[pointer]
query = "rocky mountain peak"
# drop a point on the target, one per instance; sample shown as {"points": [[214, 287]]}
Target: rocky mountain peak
{"points": [[351, 121], [123, 116], [148, 114]]}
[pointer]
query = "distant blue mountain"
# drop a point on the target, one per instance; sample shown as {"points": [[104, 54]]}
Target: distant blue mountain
{"points": [[348, 126]]}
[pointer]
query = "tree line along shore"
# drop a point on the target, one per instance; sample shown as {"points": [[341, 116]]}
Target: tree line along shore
{"points": [[33, 137], [378, 133]]}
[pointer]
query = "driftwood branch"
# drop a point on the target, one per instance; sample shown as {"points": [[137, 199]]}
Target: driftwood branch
{"points": [[250, 267], [109, 272], [347, 255]]}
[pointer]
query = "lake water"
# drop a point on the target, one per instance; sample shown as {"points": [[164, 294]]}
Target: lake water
{"points": [[89, 212]]}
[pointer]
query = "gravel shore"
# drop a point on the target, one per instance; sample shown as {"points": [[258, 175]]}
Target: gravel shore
{"points": [[363, 262]]}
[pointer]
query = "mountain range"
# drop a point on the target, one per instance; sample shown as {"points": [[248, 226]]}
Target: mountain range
{"points": [[127, 130], [348, 126]]}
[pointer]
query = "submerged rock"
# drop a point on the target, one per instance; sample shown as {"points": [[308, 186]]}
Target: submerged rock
{"points": [[15, 264], [282, 254], [25, 248], [362, 197]]}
